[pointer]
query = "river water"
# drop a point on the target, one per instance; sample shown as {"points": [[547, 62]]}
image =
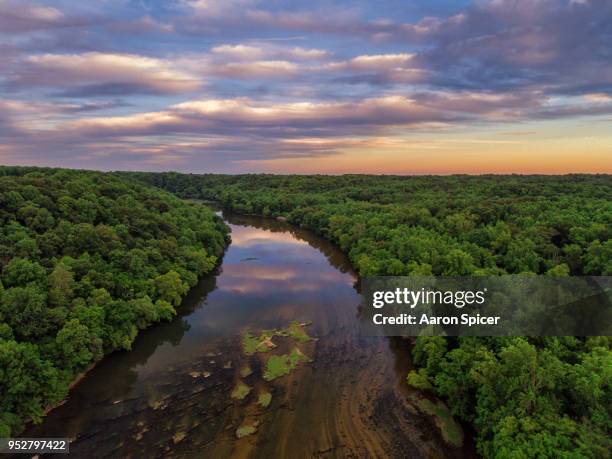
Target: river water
{"points": [[170, 396]]}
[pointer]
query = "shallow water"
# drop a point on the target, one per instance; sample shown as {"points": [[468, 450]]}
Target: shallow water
{"points": [[170, 395]]}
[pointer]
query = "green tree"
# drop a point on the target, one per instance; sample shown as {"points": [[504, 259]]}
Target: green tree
{"points": [[61, 283], [77, 346], [27, 384], [170, 287], [24, 310], [21, 272]]}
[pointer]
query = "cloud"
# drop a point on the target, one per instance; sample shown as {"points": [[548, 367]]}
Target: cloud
{"points": [[376, 62], [23, 120], [142, 25], [234, 17], [306, 53], [268, 51], [96, 73], [244, 117], [220, 132], [598, 98], [251, 61], [494, 44], [378, 69], [257, 69], [18, 16], [238, 129], [216, 8], [246, 52], [255, 61], [509, 44], [310, 21]]}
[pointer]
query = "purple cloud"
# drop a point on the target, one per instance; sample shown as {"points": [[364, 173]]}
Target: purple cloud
{"points": [[251, 80]]}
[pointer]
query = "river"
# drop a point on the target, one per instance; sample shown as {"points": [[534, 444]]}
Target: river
{"points": [[170, 396]]}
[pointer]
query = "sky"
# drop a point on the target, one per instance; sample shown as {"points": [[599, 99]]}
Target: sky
{"points": [[236, 86]]}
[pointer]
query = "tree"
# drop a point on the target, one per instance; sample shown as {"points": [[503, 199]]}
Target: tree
{"points": [[61, 283], [27, 384], [24, 310], [21, 272], [76, 346], [561, 270], [170, 287], [458, 263], [522, 257], [598, 258]]}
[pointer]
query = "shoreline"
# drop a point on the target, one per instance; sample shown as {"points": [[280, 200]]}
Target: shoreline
{"points": [[82, 374], [75, 382]]}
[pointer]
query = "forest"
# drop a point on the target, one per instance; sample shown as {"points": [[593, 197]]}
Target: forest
{"points": [[87, 260], [524, 397]]}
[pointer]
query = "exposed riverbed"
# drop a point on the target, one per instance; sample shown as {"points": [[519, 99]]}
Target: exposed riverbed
{"points": [[180, 392]]}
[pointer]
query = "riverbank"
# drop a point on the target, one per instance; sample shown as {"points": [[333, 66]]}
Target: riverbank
{"points": [[83, 374], [71, 386]]}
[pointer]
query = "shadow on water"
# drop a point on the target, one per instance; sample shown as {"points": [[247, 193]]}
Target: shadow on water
{"points": [[170, 396]]}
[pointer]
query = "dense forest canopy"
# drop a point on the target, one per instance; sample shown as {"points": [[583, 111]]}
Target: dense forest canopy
{"points": [[526, 397], [86, 260], [433, 225]]}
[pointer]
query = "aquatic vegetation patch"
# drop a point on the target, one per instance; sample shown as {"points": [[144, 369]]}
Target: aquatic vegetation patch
{"points": [[281, 365], [248, 427], [277, 366], [298, 356], [297, 332], [249, 344], [262, 343], [240, 391], [264, 399], [246, 370]]}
